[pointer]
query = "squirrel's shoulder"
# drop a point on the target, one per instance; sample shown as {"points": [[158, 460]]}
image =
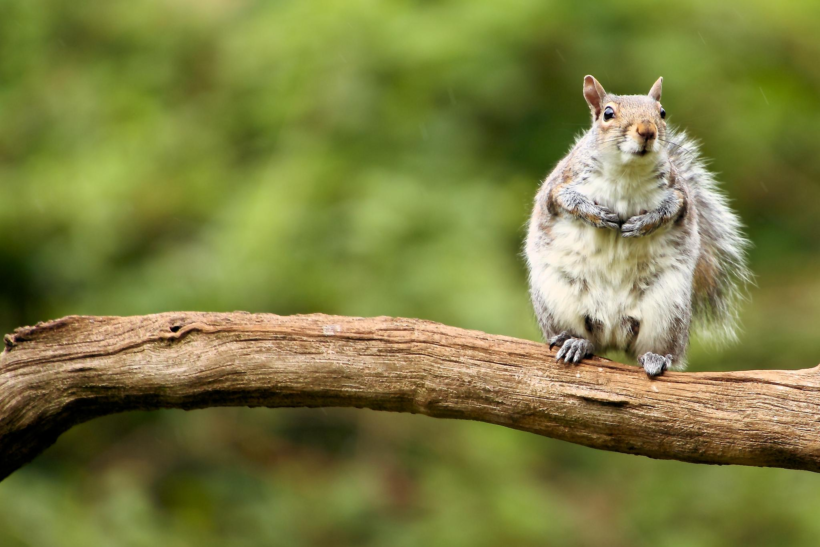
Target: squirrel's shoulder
{"points": [[578, 160]]}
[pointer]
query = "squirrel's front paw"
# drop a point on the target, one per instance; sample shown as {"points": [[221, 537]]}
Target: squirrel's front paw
{"points": [[640, 225], [655, 364], [603, 217]]}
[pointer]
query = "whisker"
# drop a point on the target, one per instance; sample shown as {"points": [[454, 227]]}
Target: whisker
{"points": [[681, 148]]}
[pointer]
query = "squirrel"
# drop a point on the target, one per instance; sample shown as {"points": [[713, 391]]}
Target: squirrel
{"points": [[630, 242]]}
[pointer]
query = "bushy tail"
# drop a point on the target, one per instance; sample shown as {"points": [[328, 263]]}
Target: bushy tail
{"points": [[721, 274]]}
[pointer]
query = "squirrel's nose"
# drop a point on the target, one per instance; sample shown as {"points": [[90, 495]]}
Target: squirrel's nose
{"points": [[646, 130]]}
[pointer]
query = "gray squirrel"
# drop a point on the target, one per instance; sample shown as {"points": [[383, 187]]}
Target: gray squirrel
{"points": [[630, 242]]}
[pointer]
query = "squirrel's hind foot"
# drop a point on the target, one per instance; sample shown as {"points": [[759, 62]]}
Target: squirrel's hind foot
{"points": [[655, 364], [573, 350]]}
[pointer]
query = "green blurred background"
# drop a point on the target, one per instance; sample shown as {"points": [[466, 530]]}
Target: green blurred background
{"points": [[378, 158]]}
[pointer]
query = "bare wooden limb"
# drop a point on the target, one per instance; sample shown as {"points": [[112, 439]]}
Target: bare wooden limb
{"points": [[61, 373]]}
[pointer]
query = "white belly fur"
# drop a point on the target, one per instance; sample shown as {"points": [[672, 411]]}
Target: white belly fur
{"points": [[596, 273]]}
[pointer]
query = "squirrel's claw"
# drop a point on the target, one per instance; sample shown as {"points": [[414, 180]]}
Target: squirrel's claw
{"points": [[634, 227], [574, 350], [641, 225], [609, 218]]}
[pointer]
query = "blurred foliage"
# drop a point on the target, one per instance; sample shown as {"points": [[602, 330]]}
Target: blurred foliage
{"points": [[366, 158]]}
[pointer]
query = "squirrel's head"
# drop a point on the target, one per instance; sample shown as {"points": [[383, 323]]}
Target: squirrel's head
{"points": [[629, 128]]}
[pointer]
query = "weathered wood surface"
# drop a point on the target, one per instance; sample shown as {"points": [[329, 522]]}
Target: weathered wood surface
{"points": [[60, 373]]}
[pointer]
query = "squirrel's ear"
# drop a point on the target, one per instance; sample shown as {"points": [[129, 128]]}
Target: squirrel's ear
{"points": [[594, 94], [655, 92]]}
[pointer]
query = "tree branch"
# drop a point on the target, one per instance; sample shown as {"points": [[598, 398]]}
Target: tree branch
{"points": [[64, 372]]}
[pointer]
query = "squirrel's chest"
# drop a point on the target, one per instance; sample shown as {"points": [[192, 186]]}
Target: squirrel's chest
{"points": [[601, 257], [625, 193]]}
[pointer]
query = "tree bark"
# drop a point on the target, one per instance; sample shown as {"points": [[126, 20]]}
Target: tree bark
{"points": [[61, 373]]}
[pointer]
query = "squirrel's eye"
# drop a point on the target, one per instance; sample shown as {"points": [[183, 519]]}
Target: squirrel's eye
{"points": [[609, 113], [663, 113]]}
